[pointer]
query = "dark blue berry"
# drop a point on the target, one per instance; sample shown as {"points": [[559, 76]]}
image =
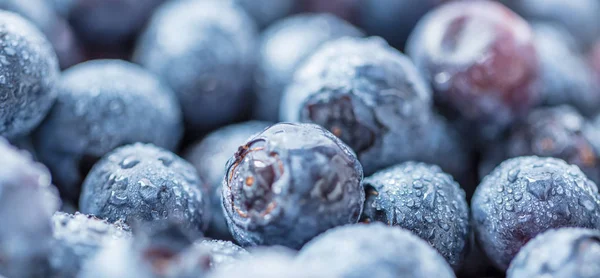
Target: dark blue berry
{"points": [[566, 252], [28, 75], [559, 132], [265, 12], [372, 250], [372, 97], [565, 78], [482, 65], [204, 50], [526, 196], [108, 23], [102, 105], [141, 182], [77, 238], [27, 203], [424, 200], [210, 156], [290, 183], [284, 47]]}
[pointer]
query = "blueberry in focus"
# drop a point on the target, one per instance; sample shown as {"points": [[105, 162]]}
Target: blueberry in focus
{"points": [[27, 202], [77, 238], [210, 156], [566, 252], [373, 250], [204, 50], [526, 196], [565, 77], [481, 62], [372, 97], [28, 75], [424, 200], [284, 46], [144, 183], [578, 17], [559, 132], [290, 183], [102, 105], [108, 23]]}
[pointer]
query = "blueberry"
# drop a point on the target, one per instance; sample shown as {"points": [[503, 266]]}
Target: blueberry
{"points": [[56, 29], [559, 132], [566, 252], [28, 76], [204, 50], [526, 196], [393, 19], [209, 157], [108, 23], [566, 78], [119, 260], [283, 48], [27, 202], [265, 12], [346, 9], [205, 256], [372, 97], [424, 200], [77, 238], [481, 62], [141, 182], [579, 17], [102, 105], [290, 183], [264, 263], [372, 250]]}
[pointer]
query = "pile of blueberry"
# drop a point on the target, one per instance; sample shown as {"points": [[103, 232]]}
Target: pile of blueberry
{"points": [[299, 138]]}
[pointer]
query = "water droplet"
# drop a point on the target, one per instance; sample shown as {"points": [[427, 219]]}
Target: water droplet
{"points": [[118, 198], [428, 218], [148, 191], [417, 184], [587, 203], [444, 226], [518, 196], [513, 174], [509, 207], [524, 218], [166, 161], [129, 162], [155, 215], [539, 188], [410, 203]]}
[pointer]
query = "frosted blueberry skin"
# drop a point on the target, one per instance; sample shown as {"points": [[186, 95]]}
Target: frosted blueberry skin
{"points": [[526, 196], [578, 17], [559, 132], [28, 76], [560, 253], [27, 202], [204, 50], [424, 200], [265, 12], [210, 156], [77, 238], [481, 62], [372, 97], [144, 183], [108, 23], [290, 183], [565, 77], [372, 250], [205, 256], [283, 47], [102, 105], [55, 28]]}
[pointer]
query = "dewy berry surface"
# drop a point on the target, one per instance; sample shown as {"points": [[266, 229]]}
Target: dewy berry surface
{"points": [[290, 183], [526, 196]]}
